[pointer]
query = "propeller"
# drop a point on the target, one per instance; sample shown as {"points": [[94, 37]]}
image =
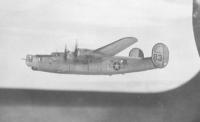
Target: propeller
{"points": [[76, 50], [65, 52]]}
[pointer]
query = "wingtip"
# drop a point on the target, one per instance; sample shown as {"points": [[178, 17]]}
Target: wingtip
{"points": [[133, 39]]}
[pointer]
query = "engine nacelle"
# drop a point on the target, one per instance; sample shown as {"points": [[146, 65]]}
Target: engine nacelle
{"points": [[160, 55], [136, 53]]}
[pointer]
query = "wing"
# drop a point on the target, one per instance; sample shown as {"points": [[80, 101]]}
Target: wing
{"points": [[117, 46]]}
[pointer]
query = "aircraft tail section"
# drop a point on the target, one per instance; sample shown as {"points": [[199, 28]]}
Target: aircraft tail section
{"points": [[160, 55]]}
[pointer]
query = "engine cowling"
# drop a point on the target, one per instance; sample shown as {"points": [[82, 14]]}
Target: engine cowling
{"points": [[136, 53]]}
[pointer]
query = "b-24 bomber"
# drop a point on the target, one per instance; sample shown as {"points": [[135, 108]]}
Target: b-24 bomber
{"points": [[102, 61]]}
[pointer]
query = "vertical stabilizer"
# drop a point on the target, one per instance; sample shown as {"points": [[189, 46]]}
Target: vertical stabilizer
{"points": [[160, 55]]}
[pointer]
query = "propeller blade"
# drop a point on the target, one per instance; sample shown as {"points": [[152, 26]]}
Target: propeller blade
{"points": [[76, 50], [65, 49], [76, 46], [65, 52]]}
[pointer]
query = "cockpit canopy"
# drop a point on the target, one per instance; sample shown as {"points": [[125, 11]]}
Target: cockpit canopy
{"points": [[83, 52], [55, 54]]}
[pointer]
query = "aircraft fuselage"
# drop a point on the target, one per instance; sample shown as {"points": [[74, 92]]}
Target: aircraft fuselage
{"points": [[87, 65]]}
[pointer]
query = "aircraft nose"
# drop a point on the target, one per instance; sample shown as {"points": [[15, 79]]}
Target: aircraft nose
{"points": [[29, 60]]}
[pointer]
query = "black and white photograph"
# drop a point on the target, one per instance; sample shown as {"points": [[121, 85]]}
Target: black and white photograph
{"points": [[100, 60]]}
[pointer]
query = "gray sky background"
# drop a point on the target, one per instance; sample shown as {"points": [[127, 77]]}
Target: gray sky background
{"points": [[41, 27]]}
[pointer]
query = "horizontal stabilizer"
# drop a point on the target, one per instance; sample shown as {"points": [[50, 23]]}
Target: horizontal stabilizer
{"points": [[117, 46]]}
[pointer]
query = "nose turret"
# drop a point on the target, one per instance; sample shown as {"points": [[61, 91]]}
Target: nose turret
{"points": [[29, 60]]}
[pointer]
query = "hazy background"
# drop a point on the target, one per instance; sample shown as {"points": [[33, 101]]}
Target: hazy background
{"points": [[41, 27]]}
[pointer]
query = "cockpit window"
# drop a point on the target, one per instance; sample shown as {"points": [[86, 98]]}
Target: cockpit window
{"points": [[55, 54]]}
